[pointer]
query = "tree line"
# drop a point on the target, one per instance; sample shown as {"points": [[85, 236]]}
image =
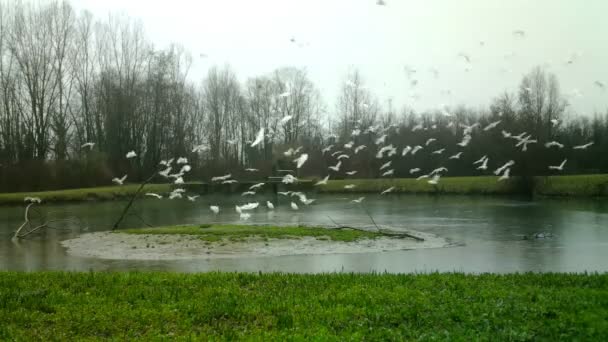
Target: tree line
{"points": [[67, 79]]}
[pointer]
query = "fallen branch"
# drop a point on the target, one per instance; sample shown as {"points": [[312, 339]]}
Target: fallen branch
{"points": [[126, 209], [26, 228]]}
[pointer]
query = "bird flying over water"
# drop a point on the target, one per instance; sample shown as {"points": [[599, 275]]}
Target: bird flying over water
{"points": [[560, 167], [119, 181], [583, 147], [259, 138], [131, 154]]}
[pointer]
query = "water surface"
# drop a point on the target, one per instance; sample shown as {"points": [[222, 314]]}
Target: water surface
{"points": [[488, 230]]}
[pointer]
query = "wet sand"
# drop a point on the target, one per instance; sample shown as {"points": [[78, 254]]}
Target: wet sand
{"points": [[108, 245]]}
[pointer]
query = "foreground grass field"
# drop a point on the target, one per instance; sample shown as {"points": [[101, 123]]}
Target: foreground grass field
{"points": [[218, 232], [157, 306]]}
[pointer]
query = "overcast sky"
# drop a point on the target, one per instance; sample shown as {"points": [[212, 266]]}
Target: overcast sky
{"points": [[332, 36]]}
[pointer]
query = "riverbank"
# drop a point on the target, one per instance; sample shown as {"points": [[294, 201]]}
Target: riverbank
{"points": [[151, 306], [574, 186], [239, 241]]}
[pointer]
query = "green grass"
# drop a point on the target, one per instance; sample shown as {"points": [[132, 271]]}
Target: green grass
{"points": [[324, 307], [448, 185], [577, 185], [84, 194], [240, 232]]}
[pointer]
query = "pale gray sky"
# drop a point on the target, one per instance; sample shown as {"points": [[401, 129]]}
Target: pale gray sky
{"points": [[253, 36]]}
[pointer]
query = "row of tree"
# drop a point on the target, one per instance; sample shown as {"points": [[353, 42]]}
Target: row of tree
{"points": [[67, 79]]}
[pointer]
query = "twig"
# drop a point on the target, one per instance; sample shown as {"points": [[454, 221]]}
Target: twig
{"points": [[126, 209], [26, 221], [332, 220], [371, 218]]}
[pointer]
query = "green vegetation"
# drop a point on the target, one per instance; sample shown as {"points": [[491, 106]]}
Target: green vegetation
{"points": [[454, 185], [84, 194], [240, 232], [578, 185], [323, 307]]}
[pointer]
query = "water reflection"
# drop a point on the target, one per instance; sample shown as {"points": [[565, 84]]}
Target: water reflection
{"points": [[490, 229]]}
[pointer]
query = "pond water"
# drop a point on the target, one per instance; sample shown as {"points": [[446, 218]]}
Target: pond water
{"points": [[487, 232]]}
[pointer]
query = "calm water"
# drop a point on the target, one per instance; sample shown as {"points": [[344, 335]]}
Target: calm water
{"points": [[488, 229]]}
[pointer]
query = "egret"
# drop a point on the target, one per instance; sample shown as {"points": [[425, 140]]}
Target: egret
{"points": [[583, 147], [505, 175], [256, 186], [359, 148], [554, 122], [385, 165], [350, 186], [323, 181], [178, 180], [251, 170], [165, 172], [422, 177], [439, 169], [289, 179], [245, 216], [221, 178], [481, 160], [560, 167], [301, 160], [248, 193], [406, 150], [215, 209], [336, 153], [343, 156], [294, 206], [434, 180], [250, 206], [119, 181], [416, 149], [290, 152], [192, 198], [259, 138], [440, 151], [355, 133], [351, 173], [506, 165], [430, 140], [491, 125], [88, 144], [182, 160], [380, 140], [185, 168], [174, 195], [285, 119], [417, 128], [327, 149], [32, 199], [284, 193], [456, 156], [358, 200], [506, 134], [384, 149], [336, 168], [151, 194], [131, 154], [269, 205], [387, 190], [388, 173], [554, 143], [484, 165], [414, 170], [230, 181], [200, 148], [349, 145], [466, 139]]}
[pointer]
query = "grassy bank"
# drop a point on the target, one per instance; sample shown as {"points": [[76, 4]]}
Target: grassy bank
{"points": [[577, 185], [84, 194], [156, 306], [240, 232]]}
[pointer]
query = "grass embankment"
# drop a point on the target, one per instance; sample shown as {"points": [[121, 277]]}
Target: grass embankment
{"points": [[157, 306], [577, 185], [84, 194], [218, 232]]}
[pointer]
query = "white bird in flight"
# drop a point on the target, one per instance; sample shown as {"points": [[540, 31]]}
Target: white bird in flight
{"points": [[259, 138], [301, 160], [358, 200], [251, 170], [215, 209], [294, 206], [88, 144], [414, 170], [131, 154], [269, 205], [351, 173], [583, 147], [336, 168], [119, 181], [456, 156], [560, 167], [323, 181], [387, 190], [151, 194], [554, 143], [350, 186], [192, 198]]}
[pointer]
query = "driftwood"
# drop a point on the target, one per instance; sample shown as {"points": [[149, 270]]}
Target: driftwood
{"points": [[380, 230], [27, 228], [128, 206]]}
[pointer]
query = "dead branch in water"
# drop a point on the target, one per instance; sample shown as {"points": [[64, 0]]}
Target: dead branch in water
{"points": [[126, 209], [27, 228]]}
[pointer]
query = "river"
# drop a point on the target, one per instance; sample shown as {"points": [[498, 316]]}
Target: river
{"points": [[487, 233]]}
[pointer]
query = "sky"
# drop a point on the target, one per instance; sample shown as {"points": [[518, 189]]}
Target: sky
{"points": [[333, 37]]}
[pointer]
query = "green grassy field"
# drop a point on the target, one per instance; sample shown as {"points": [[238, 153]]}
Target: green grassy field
{"points": [[577, 185], [84, 194], [218, 232], [324, 307]]}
